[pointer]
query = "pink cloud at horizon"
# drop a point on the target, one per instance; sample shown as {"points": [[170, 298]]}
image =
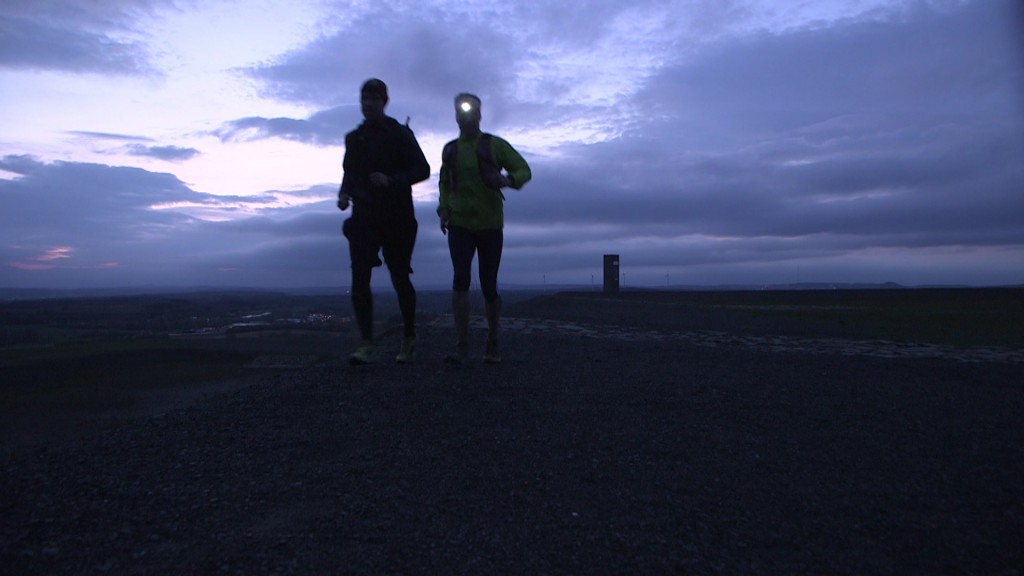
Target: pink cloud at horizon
{"points": [[55, 253], [39, 262]]}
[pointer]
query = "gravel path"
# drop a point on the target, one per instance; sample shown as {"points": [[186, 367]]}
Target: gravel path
{"points": [[581, 453]]}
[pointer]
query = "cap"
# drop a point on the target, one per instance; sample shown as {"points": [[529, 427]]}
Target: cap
{"points": [[375, 86]]}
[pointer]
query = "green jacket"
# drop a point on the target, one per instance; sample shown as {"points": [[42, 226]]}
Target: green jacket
{"points": [[465, 194]]}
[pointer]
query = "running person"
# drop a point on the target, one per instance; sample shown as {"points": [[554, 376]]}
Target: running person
{"points": [[475, 167], [382, 162]]}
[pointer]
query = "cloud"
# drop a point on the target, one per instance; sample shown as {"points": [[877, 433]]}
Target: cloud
{"points": [[425, 60], [67, 36], [428, 50], [928, 65], [56, 253], [765, 138], [884, 137], [706, 141], [168, 153], [137, 148], [87, 200], [430, 58], [892, 132], [43, 260], [115, 225], [324, 128], [108, 136]]}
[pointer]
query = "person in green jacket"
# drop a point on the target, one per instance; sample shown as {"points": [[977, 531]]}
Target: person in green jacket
{"points": [[475, 167]]}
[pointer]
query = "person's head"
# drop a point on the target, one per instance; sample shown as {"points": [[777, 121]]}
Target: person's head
{"points": [[373, 97], [467, 111]]}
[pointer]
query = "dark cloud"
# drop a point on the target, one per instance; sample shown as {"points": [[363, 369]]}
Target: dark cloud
{"points": [[76, 224], [325, 128], [884, 148], [23, 164], [72, 37], [426, 56], [425, 61], [933, 66], [320, 217], [792, 129], [109, 136], [168, 153], [901, 137], [87, 200]]}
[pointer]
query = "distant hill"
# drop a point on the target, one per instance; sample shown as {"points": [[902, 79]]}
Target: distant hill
{"points": [[10, 294]]}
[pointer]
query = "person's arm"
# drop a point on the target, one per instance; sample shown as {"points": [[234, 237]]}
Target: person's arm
{"points": [[508, 159], [417, 169], [345, 190], [443, 208]]}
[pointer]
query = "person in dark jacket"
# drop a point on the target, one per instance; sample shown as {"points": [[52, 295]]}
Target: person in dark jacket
{"points": [[382, 162], [474, 169]]}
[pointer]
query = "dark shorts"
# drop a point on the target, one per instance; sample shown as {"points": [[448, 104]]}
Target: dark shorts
{"points": [[368, 239]]}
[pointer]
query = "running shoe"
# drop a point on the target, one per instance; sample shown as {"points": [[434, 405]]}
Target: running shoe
{"points": [[459, 356], [491, 354], [408, 353], [362, 355]]}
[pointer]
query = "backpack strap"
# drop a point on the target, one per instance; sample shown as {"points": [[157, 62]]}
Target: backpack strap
{"points": [[450, 158], [490, 173]]}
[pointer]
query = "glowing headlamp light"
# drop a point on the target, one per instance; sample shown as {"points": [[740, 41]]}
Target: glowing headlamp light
{"points": [[465, 107]]}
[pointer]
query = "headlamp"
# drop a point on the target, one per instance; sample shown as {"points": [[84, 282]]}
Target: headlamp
{"points": [[465, 107]]}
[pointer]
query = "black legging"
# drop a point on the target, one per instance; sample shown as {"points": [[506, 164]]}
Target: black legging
{"points": [[462, 244]]}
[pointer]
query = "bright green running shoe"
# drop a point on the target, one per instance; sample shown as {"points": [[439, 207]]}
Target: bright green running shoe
{"points": [[408, 353], [362, 355]]}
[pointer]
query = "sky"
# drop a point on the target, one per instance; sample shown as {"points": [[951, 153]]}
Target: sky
{"points": [[176, 143]]}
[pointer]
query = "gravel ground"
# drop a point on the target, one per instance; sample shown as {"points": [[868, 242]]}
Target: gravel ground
{"points": [[575, 455]]}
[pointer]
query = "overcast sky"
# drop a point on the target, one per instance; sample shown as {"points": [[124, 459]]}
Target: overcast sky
{"points": [[176, 143]]}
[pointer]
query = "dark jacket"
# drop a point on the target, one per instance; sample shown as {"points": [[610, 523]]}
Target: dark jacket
{"points": [[390, 148]]}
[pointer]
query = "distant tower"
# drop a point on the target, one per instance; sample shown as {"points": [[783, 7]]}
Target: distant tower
{"points": [[611, 273]]}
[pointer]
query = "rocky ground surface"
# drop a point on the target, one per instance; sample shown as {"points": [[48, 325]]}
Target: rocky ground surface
{"points": [[615, 438]]}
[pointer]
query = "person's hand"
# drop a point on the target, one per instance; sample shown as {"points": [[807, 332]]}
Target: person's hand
{"points": [[343, 201], [446, 217], [380, 179], [506, 180]]}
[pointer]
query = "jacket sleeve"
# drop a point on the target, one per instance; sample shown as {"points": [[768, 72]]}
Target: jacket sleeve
{"points": [[444, 185], [415, 165], [351, 183], [511, 161]]}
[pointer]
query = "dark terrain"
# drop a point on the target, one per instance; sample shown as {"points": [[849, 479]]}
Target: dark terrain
{"points": [[647, 433]]}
